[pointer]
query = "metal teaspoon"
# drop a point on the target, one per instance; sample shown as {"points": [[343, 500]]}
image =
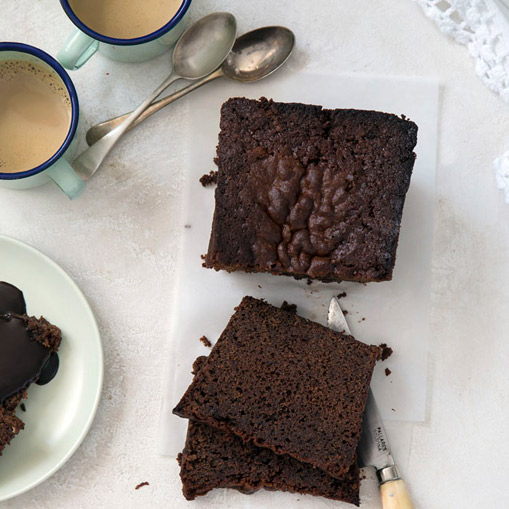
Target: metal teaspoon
{"points": [[254, 56], [201, 49]]}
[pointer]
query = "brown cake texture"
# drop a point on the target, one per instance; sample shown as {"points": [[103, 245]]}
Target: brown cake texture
{"points": [[49, 336], [213, 458], [310, 192], [287, 384]]}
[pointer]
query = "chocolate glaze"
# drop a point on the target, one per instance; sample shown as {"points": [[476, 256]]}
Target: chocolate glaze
{"points": [[11, 299], [22, 360], [49, 370]]}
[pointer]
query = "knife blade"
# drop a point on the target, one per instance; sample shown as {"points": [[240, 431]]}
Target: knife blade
{"points": [[374, 449]]}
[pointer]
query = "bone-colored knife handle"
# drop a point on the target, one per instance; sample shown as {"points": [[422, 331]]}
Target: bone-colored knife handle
{"points": [[395, 495]]}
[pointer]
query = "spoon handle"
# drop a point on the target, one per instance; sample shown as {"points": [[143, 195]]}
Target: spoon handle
{"points": [[96, 132], [90, 160]]}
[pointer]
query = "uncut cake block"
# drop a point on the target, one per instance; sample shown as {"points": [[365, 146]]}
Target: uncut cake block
{"points": [[287, 384], [309, 192]]}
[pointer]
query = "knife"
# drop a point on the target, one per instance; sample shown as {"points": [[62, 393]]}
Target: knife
{"points": [[374, 449]]}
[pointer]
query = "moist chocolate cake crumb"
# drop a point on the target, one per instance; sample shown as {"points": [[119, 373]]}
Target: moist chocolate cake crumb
{"points": [[23, 407], [341, 295], [285, 383], [219, 459], [209, 179], [386, 351], [309, 192], [309, 282], [205, 340], [214, 458], [345, 311], [141, 485], [291, 308], [387, 371]]}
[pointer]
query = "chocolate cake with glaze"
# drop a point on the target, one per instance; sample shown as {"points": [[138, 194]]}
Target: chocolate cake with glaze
{"points": [[213, 458], [28, 347], [310, 192], [287, 384]]}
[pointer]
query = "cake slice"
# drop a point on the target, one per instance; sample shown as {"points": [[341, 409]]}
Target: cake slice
{"points": [[310, 192], [28, 347], [213, 458], [287, 384]]}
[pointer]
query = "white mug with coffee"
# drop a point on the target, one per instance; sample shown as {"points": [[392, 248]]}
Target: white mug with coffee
{"points": [[39, 115], [123, 30]]}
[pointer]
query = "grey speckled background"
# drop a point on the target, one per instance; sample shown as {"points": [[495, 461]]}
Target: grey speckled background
{"points": [[120, 243]]}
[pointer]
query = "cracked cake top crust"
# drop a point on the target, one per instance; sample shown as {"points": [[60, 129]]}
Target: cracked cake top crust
{"points": [[310, 192]]}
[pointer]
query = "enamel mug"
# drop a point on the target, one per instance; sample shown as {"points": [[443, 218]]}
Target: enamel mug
{"points": [[84, 41], [57, 167]]}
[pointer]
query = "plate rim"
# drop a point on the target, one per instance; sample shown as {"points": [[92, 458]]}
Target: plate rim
{"points": [[84, 432]]}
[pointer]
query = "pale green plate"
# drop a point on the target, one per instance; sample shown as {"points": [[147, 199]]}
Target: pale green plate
{"points": [[58, 415]]}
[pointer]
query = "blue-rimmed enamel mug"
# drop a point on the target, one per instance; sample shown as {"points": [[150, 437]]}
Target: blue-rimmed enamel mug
{"points": [[57, 167], [84, 41]]}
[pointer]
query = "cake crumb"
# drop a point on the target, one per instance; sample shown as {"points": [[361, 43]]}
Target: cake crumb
{"points": [[309, 281], [23, 407], [386, 351], [187, 226], [341, 295], [141, 485], [345, 311], [387, 371], [393, 409], [260, 286], [209, 179], [291, 308], [205, 340]]}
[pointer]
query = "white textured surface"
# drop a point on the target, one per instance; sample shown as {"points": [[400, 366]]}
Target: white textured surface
{"points": [[483, 26], [120, 242]]}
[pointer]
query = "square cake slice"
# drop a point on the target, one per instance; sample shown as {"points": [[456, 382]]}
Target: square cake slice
{"points": [[287, 384], [213, 458], [310, 192]]}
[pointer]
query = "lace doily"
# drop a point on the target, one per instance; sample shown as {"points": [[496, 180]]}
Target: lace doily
{"points": [[482, 26]]}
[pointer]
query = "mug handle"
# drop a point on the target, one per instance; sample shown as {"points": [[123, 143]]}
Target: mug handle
{"points": [[77, 50], [66, 179]]}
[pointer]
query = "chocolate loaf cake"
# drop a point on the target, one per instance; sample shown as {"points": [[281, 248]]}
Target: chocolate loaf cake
{"points": [[287, 384], [309, 192], [219, 459], [28, 349]]}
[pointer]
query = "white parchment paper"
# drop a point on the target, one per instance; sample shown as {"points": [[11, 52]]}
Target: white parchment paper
{"points": [[395, 312]]}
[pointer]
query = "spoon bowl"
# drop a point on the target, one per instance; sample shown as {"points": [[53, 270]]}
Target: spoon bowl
{"points": [[258, 54], [204, 46]]}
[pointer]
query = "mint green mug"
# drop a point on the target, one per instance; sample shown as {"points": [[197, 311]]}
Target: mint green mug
{"points": [[84, 42], [57, 168]]}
